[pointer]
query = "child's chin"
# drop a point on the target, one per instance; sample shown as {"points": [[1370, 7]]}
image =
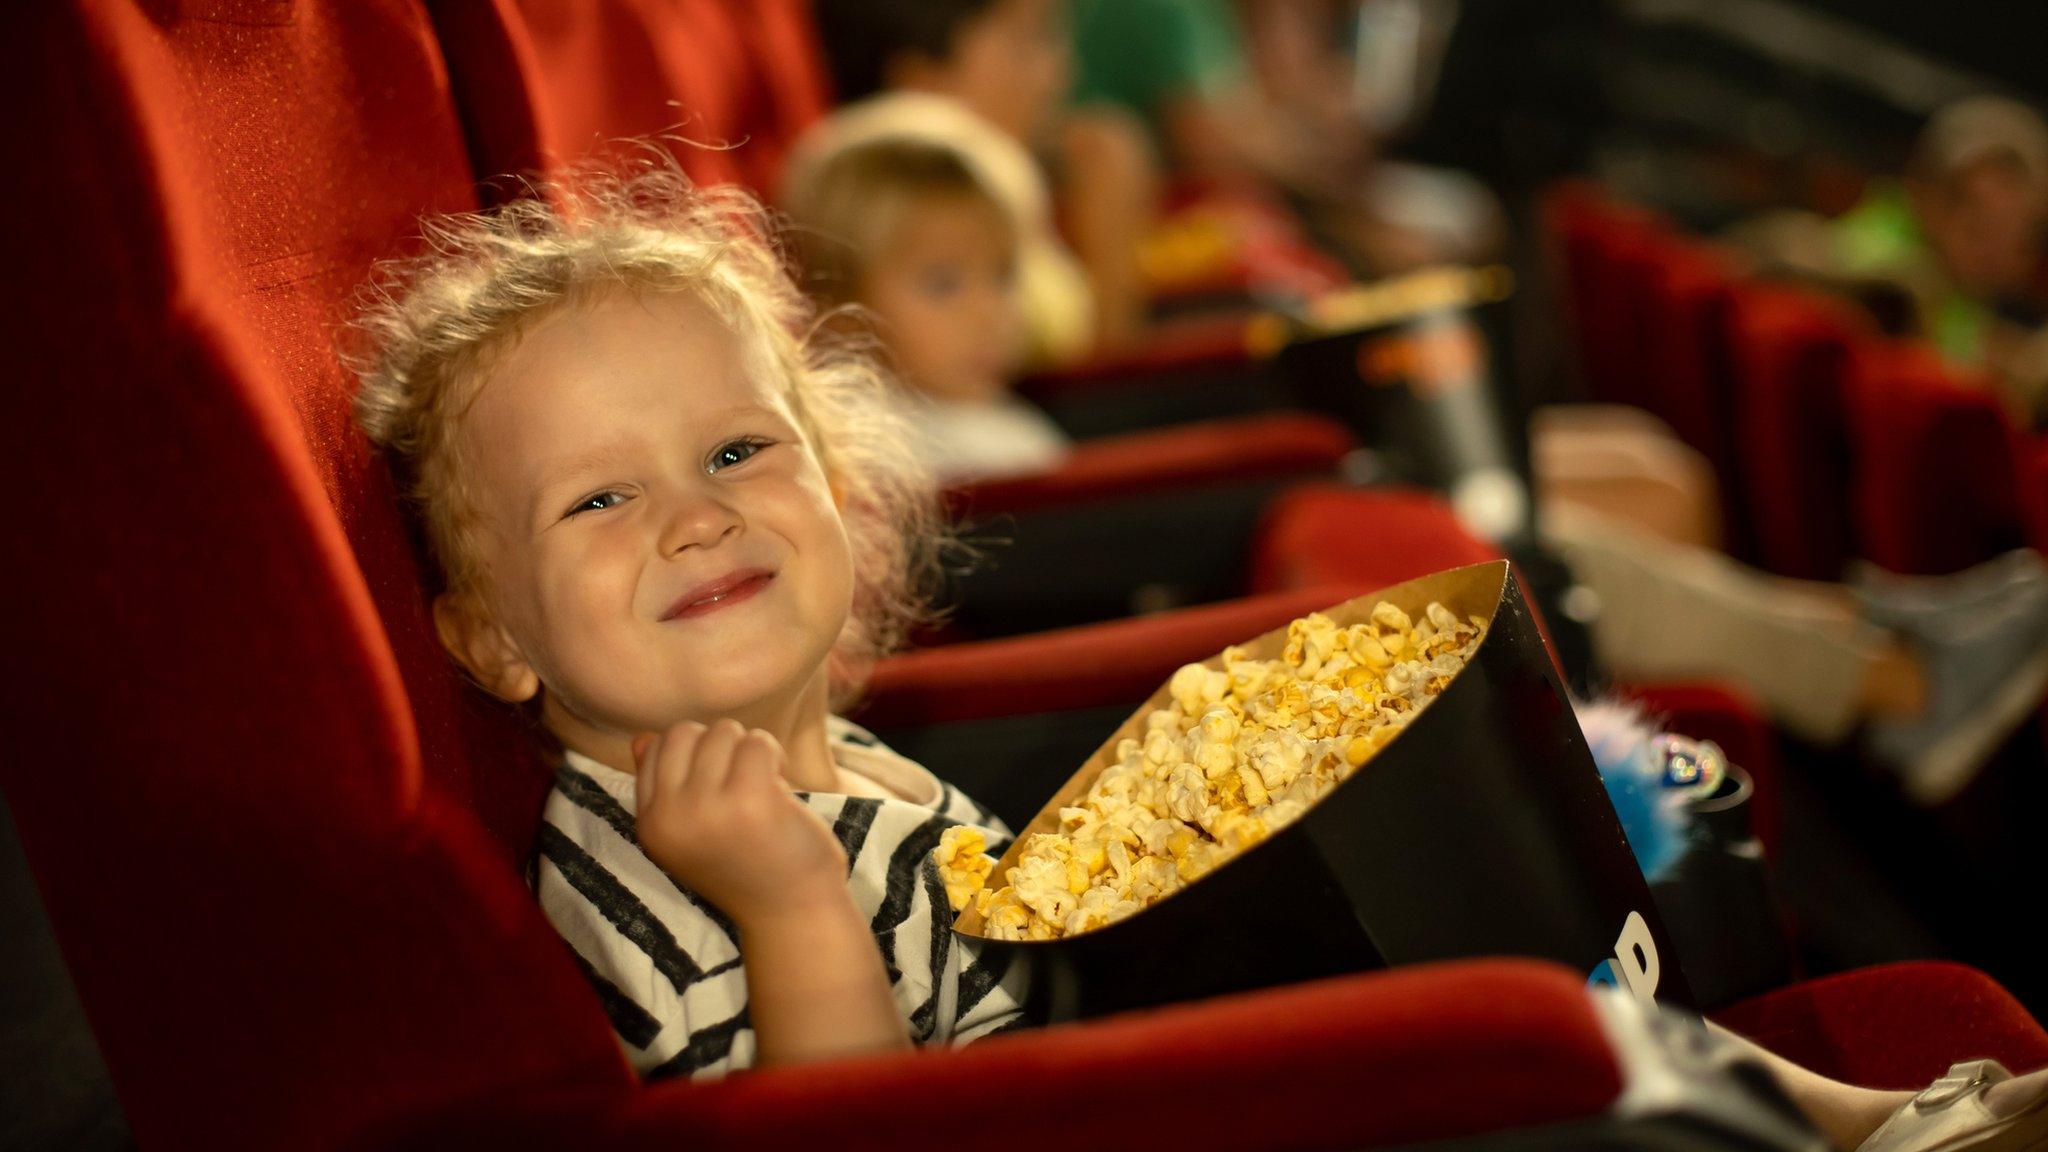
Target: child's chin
{"points": [[738, 688]]}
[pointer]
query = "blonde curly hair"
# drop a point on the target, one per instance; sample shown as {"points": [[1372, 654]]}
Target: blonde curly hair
{"points": [[430, 329]]}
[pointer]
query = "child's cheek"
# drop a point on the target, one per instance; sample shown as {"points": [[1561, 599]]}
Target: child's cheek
{"points": [[576, 587]]}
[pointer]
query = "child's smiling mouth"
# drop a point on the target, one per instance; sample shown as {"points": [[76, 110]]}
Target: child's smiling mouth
{"points": [[731, 588]]}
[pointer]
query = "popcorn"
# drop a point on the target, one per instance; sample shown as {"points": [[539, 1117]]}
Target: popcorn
{"points": [[964, 863], [1238, 753]]}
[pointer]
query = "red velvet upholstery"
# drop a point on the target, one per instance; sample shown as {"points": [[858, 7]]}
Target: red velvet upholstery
{"points": [[1254, 447], [265, 155], [1893, 1026], [2034, 488], [1094, 664], [1790, 358], [1196, 344], [544, 83], [243, 775], [1600, 244], [1331, 534], [1355, 1062], [1938, 466], [1685, 347]]}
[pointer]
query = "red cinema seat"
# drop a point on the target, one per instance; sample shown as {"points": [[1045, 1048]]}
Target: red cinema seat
{"points": [[2034, 489], [1686, 356], [1122, 660], [1602, 245], [281, 859], [1789, 359], [548, 83], [1938, 466], [1685, 337], [1329, 534], [1888, 1026], [1280, 445]]}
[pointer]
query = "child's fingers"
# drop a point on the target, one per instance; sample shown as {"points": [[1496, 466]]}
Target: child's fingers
{"points": [[673, 758], [713, 759], [756, 763], [646, 747]]}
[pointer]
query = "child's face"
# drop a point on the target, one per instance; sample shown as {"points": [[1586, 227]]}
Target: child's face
{"points": [[944, 292], [625, 460]]}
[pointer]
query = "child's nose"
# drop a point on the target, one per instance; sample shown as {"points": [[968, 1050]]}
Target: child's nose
{"points": [[699, 521]]}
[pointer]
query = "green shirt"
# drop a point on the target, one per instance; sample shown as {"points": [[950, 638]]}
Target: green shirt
{"points": [[1880, 238], [1144, 54]]}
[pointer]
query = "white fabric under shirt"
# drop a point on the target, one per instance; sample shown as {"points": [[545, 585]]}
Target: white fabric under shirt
{"points": [[962, 442]]}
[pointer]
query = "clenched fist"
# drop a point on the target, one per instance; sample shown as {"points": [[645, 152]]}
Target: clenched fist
{"points": [[714, 812]]}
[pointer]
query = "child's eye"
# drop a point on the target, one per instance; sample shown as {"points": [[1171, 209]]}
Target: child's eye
{"points": [[596, 502], [941, 282], [736, 452]]}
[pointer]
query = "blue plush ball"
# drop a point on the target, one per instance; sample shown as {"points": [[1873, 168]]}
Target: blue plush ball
{"points": [[1654, 817]]}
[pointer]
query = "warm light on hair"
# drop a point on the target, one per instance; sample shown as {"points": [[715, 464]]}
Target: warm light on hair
{"points": [[431, 327]]}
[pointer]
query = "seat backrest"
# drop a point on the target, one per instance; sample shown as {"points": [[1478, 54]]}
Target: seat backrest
{"points": [[246, 780], [1598, 241], [549, 83], [1686, 311], [1686, 358], [2034, 489], [1789, 357], [1938, 466]]}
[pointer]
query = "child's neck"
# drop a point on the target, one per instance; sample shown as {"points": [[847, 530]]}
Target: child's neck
{"points": [[798, 723]]}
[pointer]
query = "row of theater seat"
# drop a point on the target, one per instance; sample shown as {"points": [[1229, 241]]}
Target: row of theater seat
{"points": [[1830, 440], [280, 842]]}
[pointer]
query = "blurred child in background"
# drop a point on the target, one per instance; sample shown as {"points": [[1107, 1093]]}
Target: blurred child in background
{"points": [[1009, 63], [915, 232], [1053, 293]]}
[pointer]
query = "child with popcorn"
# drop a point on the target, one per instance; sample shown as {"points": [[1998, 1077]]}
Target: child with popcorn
{"points": [[677, 527]]}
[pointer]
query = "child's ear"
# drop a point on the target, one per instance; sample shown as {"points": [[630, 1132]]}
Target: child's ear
{"points": [[483, 648]]}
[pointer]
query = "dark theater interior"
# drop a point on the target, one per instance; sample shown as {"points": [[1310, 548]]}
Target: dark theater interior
{"points": [[898, 574]]}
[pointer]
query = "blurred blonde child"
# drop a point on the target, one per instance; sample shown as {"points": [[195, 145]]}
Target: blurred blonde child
{"points": [[915, 232]]}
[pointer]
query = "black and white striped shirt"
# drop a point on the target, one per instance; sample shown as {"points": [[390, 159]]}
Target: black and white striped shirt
{"points": [[665, 963]]}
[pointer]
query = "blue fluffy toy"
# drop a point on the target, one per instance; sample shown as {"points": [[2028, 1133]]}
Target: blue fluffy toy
{"points": [[1625, 746]]}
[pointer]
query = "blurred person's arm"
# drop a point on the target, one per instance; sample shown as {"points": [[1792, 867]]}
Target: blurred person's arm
{"points": [[1109, 201]]}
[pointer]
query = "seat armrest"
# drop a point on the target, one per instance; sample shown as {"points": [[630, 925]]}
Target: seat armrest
{"points": [[1374, 1060]]}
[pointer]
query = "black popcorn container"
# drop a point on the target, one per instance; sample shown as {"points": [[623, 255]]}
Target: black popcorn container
{"points": [[1482, 829]]}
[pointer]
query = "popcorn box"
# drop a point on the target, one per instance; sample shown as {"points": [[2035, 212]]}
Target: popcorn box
{"points": [[1481, 829]]}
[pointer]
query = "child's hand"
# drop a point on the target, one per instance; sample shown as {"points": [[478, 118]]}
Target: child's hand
{"points": [[715, 813]]}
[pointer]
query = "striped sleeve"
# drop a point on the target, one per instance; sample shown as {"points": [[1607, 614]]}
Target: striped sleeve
{"points": [[992, 992], [663, 964]]}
